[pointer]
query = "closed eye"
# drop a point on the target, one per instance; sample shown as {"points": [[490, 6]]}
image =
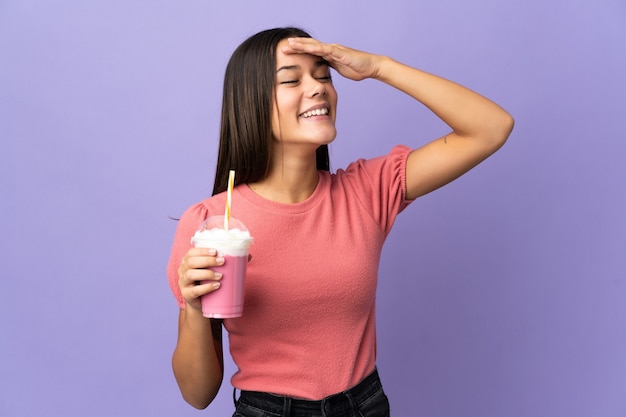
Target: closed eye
{"points": [[326, 78]]}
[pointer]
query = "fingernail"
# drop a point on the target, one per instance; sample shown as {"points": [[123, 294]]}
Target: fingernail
{"points": [[219, 260], [217, 275], [215, 285]]}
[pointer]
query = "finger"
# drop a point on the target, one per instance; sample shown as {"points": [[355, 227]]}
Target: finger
{"points": [[198, 268], [199, 262], [310, 46], [201, 258], [193, 276], [201, 252], [190, 294]]}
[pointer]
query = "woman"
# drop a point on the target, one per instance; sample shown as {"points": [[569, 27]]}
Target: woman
{"points": [[306, 344]]}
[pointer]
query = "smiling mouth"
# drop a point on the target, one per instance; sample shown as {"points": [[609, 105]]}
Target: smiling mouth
{"points": [[317, 112]]}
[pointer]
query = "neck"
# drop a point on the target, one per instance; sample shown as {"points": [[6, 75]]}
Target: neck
{"points": [[290, 179]]}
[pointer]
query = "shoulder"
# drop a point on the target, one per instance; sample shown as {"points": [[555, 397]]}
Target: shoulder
{"points": [[208, 206], [378, 184], [378, 170], [195, 214], [395, 159]]}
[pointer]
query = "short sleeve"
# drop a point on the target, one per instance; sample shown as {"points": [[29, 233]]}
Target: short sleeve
{"points": [[187, 226], [380, 184]]}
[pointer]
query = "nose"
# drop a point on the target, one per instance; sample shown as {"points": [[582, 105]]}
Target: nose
{"points": [[318, 88]]}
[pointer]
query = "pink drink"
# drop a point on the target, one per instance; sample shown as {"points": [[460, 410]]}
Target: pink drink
{"points": [[227, 300], [232, 245]]}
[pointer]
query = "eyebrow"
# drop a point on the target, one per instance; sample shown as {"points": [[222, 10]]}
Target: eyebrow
{"points": [[319, 63]]}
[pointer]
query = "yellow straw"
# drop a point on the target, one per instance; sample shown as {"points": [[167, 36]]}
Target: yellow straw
{"points": [[229, 197]]}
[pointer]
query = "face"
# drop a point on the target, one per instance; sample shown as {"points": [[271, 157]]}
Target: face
{"points": [[305, 101]]}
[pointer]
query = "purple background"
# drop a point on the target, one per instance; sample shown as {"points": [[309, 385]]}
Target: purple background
{"points": [[502, 294]]}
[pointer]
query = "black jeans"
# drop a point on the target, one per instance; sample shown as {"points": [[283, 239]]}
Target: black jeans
{"points": [[367, 399]]}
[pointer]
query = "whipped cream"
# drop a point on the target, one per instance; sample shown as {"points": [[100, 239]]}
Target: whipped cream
{"points": [[233, 242]]}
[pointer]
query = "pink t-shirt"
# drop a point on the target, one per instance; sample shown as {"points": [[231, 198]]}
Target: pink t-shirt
{"points": [[308, 327]]}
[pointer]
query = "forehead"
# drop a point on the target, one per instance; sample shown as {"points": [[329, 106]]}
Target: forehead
{"points": [[296, 61]]}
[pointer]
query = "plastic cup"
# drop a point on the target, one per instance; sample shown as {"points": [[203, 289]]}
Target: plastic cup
{"points": [[233, 245]]}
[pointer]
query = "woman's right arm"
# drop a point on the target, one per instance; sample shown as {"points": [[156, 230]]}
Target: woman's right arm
{"points": [[198, 360]]}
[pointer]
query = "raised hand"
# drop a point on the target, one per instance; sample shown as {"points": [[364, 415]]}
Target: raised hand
{"points": [[350, 63]]}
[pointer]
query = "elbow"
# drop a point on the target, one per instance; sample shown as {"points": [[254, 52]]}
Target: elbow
{"points": [[506, 127], [198, 393], [197, 403], [501, 129], [199, 400]]}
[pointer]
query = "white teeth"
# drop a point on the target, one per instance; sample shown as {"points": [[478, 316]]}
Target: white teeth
{"points": [[317, 112]]}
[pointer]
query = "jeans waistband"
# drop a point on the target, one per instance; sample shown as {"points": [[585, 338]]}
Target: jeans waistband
{"points": [[337, 403]]}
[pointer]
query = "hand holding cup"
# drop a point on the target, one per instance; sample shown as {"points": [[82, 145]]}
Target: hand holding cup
{"points": [[196, 276]]}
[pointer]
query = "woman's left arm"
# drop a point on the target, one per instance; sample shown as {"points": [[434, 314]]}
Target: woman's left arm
{"points": [[479, 126]]}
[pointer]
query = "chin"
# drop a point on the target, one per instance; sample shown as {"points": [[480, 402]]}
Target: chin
{"points": [[326, 138]]}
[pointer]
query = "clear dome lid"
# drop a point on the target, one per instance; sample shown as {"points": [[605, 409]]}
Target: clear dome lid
{"points": [[217, 222]]}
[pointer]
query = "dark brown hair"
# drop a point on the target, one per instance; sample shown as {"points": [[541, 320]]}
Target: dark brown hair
{"points": [[246, 132]]}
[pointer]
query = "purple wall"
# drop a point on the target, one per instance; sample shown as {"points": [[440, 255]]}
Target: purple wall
{"points": [[502, 294]]}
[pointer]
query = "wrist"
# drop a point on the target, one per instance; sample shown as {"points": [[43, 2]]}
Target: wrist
{"points": [[382, 67], [194, 317]]}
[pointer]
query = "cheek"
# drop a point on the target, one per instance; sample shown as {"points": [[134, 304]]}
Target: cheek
{"points": [[276, 126], [288, 109], [281, 120], [331, 93], [333, 101], [275, 121], [330, 89], [283, 105]]}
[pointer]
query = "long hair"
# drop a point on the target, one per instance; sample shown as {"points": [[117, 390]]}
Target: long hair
{"points": [[246, 131]]}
